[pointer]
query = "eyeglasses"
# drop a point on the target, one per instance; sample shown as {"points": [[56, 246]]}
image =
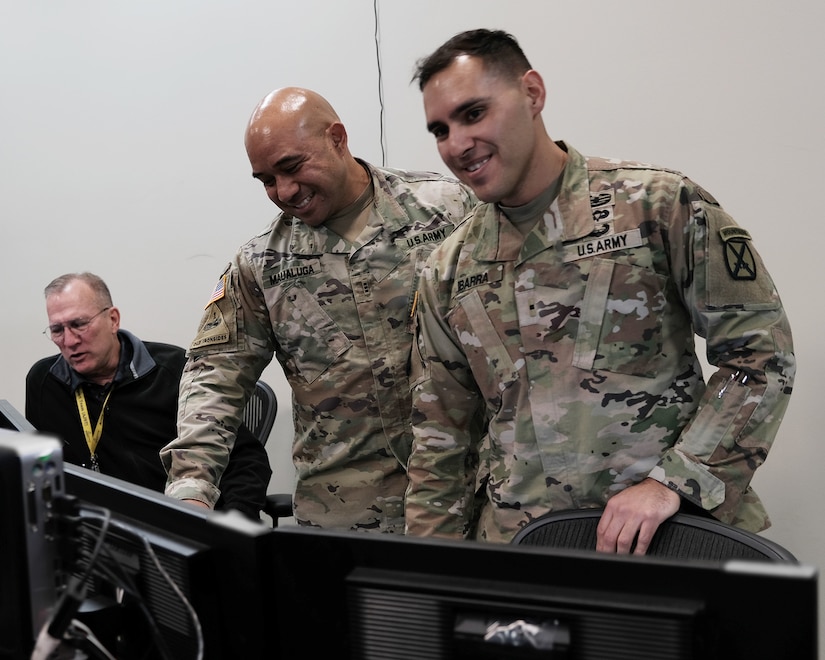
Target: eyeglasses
{"points": [[77, 326]]}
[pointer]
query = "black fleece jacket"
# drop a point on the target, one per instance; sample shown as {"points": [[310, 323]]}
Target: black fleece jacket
{"points": [[139, 420]]}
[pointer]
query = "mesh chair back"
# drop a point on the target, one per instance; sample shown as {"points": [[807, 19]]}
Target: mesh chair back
{"points": [[684, 536], [260, 411], [259, 417]]}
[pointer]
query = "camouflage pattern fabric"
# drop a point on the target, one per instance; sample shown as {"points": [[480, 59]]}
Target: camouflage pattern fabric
{"points": [[573, 346], [338, 317]]}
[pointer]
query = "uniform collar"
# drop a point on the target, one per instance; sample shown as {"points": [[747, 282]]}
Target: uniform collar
{"points": [[386, 215], [567, 218]]}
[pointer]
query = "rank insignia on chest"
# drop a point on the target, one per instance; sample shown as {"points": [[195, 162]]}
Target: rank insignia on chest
{"points": [[601, 205], [739, 259]]}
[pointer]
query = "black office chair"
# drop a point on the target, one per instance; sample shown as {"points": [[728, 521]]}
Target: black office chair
{"points": [[259, 417], [683, 536], [261, 409]]}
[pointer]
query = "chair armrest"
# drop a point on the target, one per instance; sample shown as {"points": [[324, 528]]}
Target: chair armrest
{"points": [[278, 505]]}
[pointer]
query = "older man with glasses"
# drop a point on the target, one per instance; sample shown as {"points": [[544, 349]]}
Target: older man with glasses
{"points": [[112, 398]]}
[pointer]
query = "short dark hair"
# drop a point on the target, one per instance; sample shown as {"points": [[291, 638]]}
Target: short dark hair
{"points": [[499, 50]]}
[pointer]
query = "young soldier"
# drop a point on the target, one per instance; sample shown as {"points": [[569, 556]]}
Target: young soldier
{"points": [[563, 314]]}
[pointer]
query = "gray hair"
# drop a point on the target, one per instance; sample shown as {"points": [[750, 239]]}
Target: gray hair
{"points": [[95, 283]]}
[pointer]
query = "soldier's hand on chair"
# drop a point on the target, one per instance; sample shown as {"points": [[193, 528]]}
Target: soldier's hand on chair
{"points": [[635, 514]]}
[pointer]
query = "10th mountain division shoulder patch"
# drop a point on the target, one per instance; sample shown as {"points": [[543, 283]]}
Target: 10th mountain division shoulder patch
{"points": [[739, 259]]}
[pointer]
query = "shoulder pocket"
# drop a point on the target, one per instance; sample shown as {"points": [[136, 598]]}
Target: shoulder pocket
{"points": [[734, 272]]}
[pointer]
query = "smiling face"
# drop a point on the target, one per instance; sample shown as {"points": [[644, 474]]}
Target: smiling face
{"points": [[298, 149], [94, 352], [488, 128]]}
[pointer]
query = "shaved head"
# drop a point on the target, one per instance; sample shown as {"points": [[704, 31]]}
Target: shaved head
{"points": [[298, 149], [291, 108]]}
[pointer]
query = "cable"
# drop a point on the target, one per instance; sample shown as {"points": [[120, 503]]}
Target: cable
{"points": [[83, 633], [95, 522], [196, 624], [48, 639], [104, 528], [110, 569], [380, 86], [113, 571]]}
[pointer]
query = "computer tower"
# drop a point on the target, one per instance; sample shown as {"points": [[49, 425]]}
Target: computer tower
{"points": [[31, 477]]}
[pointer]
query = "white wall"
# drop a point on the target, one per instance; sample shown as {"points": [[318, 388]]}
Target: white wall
{"points": [[121, 148]]}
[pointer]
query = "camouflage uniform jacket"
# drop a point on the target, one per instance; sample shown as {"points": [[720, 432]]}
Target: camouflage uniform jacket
{"points": [[574, 346], [337, 316]]}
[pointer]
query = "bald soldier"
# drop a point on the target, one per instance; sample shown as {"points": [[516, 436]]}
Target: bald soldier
{"points": [[329, 290]]}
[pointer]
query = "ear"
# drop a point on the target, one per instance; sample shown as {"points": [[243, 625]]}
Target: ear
{"points": [[533, 86], [338, 134], [114, 317]]}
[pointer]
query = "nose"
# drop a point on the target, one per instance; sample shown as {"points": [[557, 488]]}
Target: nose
{"points": [[457, 144], [69, 338], [284, 190]]}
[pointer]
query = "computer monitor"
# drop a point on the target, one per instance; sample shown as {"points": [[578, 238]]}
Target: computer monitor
{"points": [[351, 595], [30, 479], [12, 419], [218, 561]]}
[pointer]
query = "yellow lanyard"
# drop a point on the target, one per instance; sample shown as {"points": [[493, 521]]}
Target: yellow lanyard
{"points": [[92, 437]]}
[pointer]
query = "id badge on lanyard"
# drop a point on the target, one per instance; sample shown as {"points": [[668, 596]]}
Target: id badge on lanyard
{"points": [[92, 435]]}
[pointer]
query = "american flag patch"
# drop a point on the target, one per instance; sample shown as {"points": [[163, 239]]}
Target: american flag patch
{"points": [[219, 291]]}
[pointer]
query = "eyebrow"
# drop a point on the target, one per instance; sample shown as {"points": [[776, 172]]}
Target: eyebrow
{"points": [[458, 110], [76, 319], [286, 161]]}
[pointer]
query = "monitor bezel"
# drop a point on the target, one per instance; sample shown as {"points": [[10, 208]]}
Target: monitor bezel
{"points": [[12, 419], [731, 593], [230, 557]]}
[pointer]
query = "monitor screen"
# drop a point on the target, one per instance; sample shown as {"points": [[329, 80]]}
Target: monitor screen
{"points": [[216, 562], [394, 598]]}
